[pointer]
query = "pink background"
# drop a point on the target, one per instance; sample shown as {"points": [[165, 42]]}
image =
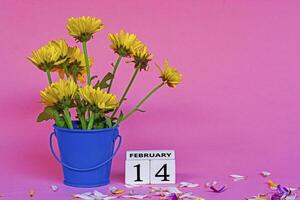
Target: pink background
{"points": [[237, 110]]}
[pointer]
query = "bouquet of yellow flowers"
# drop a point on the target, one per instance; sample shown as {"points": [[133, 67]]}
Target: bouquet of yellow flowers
{"points": [[95, 106]]}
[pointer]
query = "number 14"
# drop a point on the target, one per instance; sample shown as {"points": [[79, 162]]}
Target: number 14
{"points": [[162, 172]]}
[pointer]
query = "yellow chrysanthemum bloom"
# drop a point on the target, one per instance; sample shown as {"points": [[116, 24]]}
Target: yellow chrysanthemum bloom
{"points": [[142, 57], [99, 98], [58, 91], [61, 46], [76, 64], [76, 57], [46, 57], [124, 44], [170, 75], [83, 28]]}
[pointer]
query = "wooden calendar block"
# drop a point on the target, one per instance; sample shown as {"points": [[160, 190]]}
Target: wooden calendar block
{"points": [[162, 172], [150, 166], [137, 172], [150, 155]]}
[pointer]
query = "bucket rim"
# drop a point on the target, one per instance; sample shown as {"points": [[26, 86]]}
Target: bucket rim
{"points": [[101, 130]]}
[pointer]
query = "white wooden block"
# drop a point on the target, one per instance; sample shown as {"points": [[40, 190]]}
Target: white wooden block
{"points": [[150, 155], [137, 172], [162, 172]]}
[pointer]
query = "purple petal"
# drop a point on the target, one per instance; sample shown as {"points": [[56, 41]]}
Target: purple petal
{"points": [[222, 189], [173, 197], [276, 196]]}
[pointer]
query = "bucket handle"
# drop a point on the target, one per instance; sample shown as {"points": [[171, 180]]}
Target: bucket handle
{"points": [[86, 169]]}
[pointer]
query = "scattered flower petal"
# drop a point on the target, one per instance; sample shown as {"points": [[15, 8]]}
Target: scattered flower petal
{"points": [[162, 194], [265, 173], [99, 195], [174, 190], [283, 193], [216, 190], [213, 188], [188, 195], [237, 177], [31, 193], [258, 197], [173, 197], [209, 184], [293, 189], [135, 196], [188, 185], [83, 196], [115, 190], [272, 185], [109, 197], [291, 197], [54, 188], [131, 186]]}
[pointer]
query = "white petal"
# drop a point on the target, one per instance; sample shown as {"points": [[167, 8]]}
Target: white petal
{"points": [[174, 190], [131, 186], [237, 177], [54, 188], [187, 184], [136, 196], [265, 173], [84, 196], [99, 195]]}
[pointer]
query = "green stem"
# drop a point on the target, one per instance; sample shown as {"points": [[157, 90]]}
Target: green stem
{"points": [[82, 119], [58, 120], [66, 70], [126, 91], [68, 118], [74, 76], [86, 62], [49, 76], [114, 72], [140, 103], [91, 121]]}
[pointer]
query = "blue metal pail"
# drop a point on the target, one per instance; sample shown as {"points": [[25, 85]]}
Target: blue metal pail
{"points": [[86, 155]]}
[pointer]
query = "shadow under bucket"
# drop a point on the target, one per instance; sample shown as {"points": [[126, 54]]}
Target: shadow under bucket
{"points": [[85, 155]]}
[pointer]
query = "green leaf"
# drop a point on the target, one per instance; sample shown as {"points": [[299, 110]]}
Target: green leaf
{"points": [[51, 113], [44, 116], [108, 122], [103, 83], [51, 110]]}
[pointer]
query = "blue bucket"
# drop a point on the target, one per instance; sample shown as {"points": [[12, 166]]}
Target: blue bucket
{"points": [[86, 155]]}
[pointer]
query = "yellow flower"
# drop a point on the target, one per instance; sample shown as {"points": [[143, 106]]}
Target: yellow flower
{"points": [[46, 57], [59, 91], [124, 44], [76, 57], [61, 46], [170, 75], [142, 57], [99, 98], [83, 28], [76, 64]]}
